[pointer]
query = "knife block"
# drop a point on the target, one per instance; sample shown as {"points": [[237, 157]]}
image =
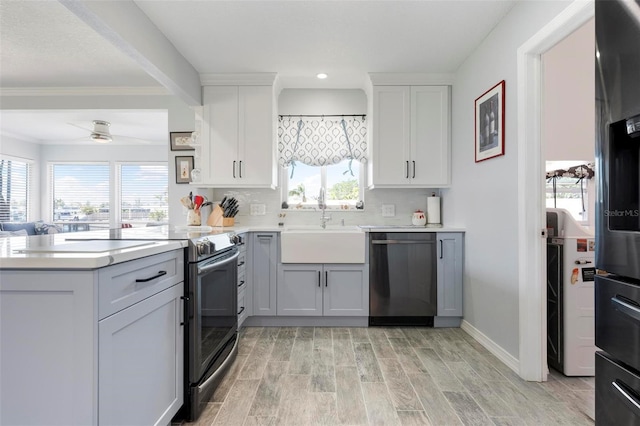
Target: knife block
{"points": [[216, 218]]}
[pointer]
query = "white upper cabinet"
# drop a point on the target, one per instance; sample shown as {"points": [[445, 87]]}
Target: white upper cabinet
{"points": [[410, 144], [238, 129]]}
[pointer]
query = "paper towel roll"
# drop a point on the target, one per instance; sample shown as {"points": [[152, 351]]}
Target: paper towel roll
{"points": [[433, 209]]}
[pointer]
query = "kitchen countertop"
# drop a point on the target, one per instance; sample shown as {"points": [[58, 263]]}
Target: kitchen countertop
{"points": [[57, 251]]}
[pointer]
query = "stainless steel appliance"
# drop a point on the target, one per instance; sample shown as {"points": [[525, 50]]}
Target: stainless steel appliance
{"points": [[212, 317], [402, 278], [618, 216]]}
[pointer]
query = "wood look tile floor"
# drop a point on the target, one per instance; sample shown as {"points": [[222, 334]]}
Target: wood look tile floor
{"points": [[385, 376]]}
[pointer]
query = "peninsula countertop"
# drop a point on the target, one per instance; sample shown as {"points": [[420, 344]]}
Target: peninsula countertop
{"points": [[62, 251]]}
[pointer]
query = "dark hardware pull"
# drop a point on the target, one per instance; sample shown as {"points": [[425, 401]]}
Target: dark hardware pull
{"points": [[626, 395], [626, 307], [241, 310], [234, 169], [241, 263], [319, 279], [326, 278], [240, 168], [407, 176], [185, 299], [441, 250], [241, 284], [144, 280], [265, 236], [414, 169]]}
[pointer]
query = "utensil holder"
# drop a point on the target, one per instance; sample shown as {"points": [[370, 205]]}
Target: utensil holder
{"points": [[193, 217], [216, 218]]}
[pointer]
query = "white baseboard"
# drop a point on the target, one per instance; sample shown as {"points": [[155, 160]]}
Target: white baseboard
{"points": [[504, 356]]}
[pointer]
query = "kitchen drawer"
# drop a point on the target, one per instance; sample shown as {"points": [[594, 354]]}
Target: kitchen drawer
{"points": [[242, 306], [618, 318], [617, 393], [242, 260], [122, 285]]}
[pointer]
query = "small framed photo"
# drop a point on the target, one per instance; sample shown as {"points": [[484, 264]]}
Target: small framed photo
{"points": [[489, 123], [181, 141], [184, 165]]}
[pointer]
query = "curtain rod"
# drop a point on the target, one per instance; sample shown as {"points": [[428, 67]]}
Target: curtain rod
{"points": [[322, 115]]}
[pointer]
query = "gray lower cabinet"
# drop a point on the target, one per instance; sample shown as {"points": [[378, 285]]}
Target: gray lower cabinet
{"points": [[139, 350], [264, 264], [104, 346], [244, 296], [323, 290], [449, 275]]}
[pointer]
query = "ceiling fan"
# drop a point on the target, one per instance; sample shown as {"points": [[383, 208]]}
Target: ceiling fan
{"points": [[101, 133]]}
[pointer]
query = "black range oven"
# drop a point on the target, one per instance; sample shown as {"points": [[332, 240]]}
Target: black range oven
{"points": [[212, 319]]}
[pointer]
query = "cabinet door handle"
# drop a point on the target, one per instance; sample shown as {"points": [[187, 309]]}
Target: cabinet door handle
{"points": [[326, 278], [414, 169], [319, 279], [240, 168], [184, 308], [240, 264], [234, 169], [241, 284], [158, 275], [407, 176], [265, 236], [241, 310], [441, 250]]}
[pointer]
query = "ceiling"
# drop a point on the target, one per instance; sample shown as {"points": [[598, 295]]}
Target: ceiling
{"points": [[45, 45]]}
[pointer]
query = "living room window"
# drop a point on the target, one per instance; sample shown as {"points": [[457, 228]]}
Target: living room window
{"points": [[83, 193], [143, 193], [15, 189]]}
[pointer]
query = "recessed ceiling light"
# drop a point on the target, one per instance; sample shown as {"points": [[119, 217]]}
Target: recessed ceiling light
{"points": [[322, 76]]}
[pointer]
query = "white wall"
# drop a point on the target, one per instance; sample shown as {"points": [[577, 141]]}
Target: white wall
{"points": [[483, 196], [181, 118], [325, 101], [27, 151], [568, 117]]}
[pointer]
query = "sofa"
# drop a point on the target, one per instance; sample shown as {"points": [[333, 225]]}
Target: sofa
{"points": [[32, 228]]}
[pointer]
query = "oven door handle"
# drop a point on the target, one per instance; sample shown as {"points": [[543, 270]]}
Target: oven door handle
{"points": [[626, 308], [215, 265]]}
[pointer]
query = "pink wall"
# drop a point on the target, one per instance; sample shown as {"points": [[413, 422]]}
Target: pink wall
{"points": [[568, 117]]}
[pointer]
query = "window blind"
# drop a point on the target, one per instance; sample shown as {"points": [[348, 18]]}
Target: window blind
{"points": [[80, 191], [144, 192], [15, 190]]}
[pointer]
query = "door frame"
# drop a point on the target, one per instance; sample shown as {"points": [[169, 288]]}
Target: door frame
{"points": [[532, 290]]}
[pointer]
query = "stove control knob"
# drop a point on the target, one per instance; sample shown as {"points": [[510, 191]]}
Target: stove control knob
{"points": [[204, 247], [234, 238]]}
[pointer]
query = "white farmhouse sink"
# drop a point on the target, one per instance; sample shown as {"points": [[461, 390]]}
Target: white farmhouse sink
{"points": [[338, 244]]}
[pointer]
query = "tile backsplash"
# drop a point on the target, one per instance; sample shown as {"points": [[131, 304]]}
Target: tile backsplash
{"points": [[405, 201]]}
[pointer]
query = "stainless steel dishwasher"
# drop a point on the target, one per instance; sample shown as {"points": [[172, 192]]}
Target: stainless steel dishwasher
{"points": [[402, 278]]}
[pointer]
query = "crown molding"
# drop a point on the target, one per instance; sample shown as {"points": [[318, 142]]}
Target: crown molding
{"points": [[408, 79], [242, 79], [83, 91]]}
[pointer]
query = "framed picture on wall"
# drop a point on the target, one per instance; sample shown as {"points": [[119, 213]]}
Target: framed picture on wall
{"points": [[184, 165], [489, 123], [181, 141]]}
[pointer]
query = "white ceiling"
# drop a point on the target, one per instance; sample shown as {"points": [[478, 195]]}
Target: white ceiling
{"points": [[44, 45], [73, 127]]}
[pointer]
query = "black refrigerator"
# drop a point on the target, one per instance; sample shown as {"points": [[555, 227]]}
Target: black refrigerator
{"points": [[617, 286]]}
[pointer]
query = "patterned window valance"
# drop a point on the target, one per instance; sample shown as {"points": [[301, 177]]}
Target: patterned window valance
{"points": [[321, 141]]}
